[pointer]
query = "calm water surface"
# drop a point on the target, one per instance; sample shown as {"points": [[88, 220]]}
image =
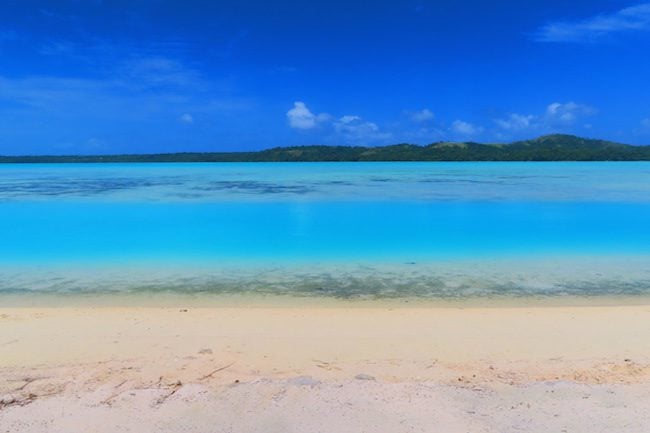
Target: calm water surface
{"points": [[345, 230]]}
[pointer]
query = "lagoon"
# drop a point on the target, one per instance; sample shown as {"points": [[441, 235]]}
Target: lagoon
{"points": [[327, 229]]}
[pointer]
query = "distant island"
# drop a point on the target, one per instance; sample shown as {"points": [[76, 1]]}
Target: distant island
{"points": [[555, 147]]}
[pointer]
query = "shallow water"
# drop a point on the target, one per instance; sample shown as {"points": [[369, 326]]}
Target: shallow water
{"points": [[334, 230]]}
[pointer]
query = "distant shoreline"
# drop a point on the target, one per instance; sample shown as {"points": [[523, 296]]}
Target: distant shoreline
{"points": [[550, 148]]}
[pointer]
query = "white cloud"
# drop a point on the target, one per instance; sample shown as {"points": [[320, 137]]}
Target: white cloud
{"points": [[567, 113], [350, 128], [465, 128], [355, 129], [556, 116], [568, 117], [300, 117], [422, 115], [634, 18], [186, 118], [646, 122], [516, 122], [345, 120]]}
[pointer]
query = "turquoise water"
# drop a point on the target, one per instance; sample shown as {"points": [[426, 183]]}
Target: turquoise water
{"points": [[333, 229]]}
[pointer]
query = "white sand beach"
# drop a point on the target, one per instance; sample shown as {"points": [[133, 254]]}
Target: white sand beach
{"points": [[325, 369]]}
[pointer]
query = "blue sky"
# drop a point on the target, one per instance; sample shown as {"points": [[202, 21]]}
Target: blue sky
{"points": [[164, 76]]}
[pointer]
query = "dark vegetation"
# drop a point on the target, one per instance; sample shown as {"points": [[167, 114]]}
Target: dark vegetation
{"points": [[555, 147]]}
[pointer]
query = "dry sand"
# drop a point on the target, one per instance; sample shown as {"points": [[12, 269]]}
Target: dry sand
{"points": [[335, 369]]}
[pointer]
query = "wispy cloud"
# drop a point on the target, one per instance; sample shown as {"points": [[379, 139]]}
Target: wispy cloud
{"points": [[186, 118], [356, 130], [103, 55], [423, 115], [634, 18], [567, 113], [557, 116], [466, 129], [140, 97], [154, 82], [161, 71], [516, 122]]}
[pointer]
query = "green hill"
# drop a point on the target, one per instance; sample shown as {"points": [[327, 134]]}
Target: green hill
{"points": [[556, 147]]}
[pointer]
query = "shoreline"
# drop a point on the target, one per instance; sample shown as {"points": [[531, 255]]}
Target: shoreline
{"points": [[215, 301]]}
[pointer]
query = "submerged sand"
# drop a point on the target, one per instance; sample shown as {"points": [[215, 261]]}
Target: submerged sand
{"points": [[338, 368]]}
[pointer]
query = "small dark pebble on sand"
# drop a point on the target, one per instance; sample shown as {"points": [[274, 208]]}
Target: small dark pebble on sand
{"points": [[363, 376]]}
